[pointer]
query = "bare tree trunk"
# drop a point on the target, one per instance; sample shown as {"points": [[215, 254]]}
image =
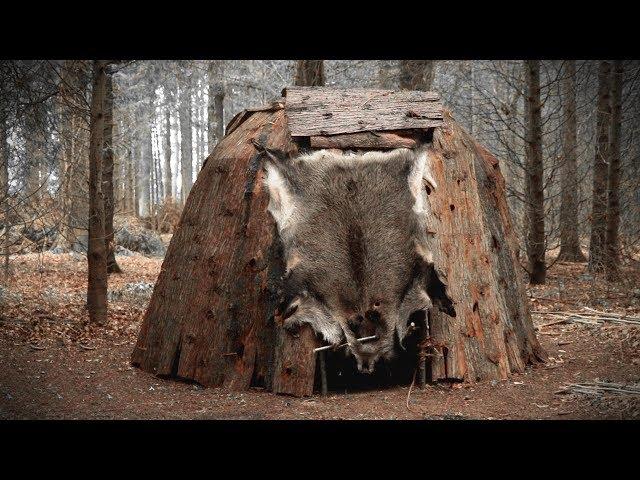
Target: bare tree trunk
{"points": [[130, 175], [4, 193], [96, 256], [613, 204], [186, 157], [534, 173], [216, 101], [75, 157], [144, 159], [118, 175], [310, 73], [157, 169], [107, 177], [152, 179], [417, 74], [34, 144], [200, 135], [569, 239], [168, 178], [472, 97], [600, 165]]}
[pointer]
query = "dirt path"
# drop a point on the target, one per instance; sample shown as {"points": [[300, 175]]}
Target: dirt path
{"points": [[53, 366]]}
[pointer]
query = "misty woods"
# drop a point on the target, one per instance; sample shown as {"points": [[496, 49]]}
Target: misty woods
{"points": [[82, 142]]}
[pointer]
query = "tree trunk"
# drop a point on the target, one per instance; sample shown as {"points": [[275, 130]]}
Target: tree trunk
{"points": [[186, 157], [34, 122], [107, 177], [76, 155], [97, 254], [4, 193], [130, 183], [157, 169], [534, 173], [310, 73], [417, 74], [168, 178], [613, 201], [118, 173], [216, 103], [213, 318], [569, 232], [600, 166], [144, 161]]}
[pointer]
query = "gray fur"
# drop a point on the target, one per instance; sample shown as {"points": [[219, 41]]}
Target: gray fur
{"points": [[355, 244]]}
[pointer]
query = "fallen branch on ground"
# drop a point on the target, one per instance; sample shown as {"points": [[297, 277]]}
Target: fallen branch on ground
{"points": [[589, 318], [598, 388]]}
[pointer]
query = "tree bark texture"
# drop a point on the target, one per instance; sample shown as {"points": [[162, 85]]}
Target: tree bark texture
{"points": [[309, 73], [168, 178], [569, 232], [107, 178], [186, 160], [613, 199], [97, 255], [215, 109], [4, 195], [600, 167], [535, 176]]}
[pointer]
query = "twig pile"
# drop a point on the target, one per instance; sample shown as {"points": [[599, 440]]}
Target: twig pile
{"points": [[598, 388], [590, 317]]}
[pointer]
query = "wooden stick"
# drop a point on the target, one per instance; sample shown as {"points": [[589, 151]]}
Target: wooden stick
{"points": [[359, 340], [555, 322], [422, 370]]}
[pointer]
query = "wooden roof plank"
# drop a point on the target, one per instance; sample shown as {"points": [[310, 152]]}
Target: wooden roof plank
{"points": [[313, 111]]}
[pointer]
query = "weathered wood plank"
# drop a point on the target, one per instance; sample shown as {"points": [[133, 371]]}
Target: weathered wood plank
{"points": [[329, 111], [295, 362], [378, 140]]}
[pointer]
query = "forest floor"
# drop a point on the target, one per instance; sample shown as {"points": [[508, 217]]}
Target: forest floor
{"points": [[53, 365]]}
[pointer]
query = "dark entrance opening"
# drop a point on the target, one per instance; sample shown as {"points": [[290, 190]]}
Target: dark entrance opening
{"points": [[343, 376]]}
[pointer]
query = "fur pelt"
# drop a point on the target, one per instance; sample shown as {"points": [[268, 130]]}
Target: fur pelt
{"points": [[354, 236]]}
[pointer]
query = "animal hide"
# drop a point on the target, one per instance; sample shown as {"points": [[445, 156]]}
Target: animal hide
{"points": [[354, 235]]}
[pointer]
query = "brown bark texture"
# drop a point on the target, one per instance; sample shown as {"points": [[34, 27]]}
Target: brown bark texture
{"points": [[600, 167], [612, 242], [534, 176], [309, 73], [213, 319], [569, 232], [97, 254], [107, 178]]}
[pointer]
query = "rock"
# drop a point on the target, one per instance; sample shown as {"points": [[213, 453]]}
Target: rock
{"points": [[140, 291], [144, 241], [122, 251], [43, 238]]}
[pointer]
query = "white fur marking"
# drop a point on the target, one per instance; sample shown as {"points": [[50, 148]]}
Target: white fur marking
{"points": [[281, 203]]}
